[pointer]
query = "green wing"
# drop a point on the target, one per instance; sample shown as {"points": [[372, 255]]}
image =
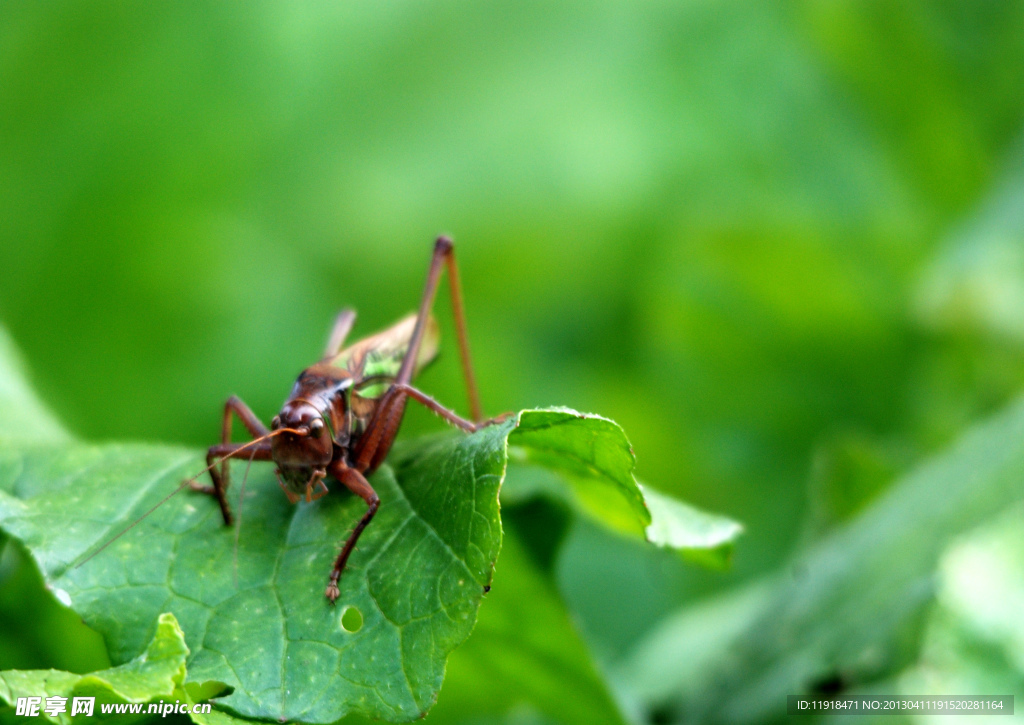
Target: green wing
{"points": [[382, 354]]}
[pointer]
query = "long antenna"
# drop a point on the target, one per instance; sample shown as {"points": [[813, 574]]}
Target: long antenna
{"points": [[241, 507], [179, 489], [165, 499]]}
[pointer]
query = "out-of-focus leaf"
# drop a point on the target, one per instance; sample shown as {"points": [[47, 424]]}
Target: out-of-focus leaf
{"points": [[848, 470], [671, 660], [23, 418], [974, 639], [157, 673], [51, 635], [968, 300], [850, 606], [525, 653], [976, 283], [981, 584]]}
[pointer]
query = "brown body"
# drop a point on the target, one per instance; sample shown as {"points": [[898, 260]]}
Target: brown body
{"points": [[344, 411]]}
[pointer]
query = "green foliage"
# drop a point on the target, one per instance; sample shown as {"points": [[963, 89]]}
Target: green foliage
{"points": [[264, 628], [525, 653], [158, 673], [779, 243], [850, 606], [24, 418]]}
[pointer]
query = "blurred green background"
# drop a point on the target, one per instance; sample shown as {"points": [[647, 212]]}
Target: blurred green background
{"points": [[781, 243]]}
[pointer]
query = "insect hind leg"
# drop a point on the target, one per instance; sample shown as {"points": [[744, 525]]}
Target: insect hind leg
{"points": [[444, 253]]}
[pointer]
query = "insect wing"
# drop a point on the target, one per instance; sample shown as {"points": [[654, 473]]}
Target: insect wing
{"points": [[381, 355]]}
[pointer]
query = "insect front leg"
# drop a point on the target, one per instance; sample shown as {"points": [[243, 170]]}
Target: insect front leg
{"points": [[221, 478], [357, 484], [259, 452]]}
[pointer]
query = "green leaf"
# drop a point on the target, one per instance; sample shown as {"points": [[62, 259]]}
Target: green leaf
{"points": [[24, 418], [587, 462], [974, 638], [417, 576], [703, 537], [158, 673], [976, 281], [672, 660], [594, 459], [524, 656], [416, 579]]}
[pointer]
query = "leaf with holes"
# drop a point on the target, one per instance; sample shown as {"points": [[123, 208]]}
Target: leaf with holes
{"points": [[417, 578]]}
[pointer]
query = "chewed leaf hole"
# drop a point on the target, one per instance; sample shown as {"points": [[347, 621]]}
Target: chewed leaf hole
{"points": [[351, 619]]}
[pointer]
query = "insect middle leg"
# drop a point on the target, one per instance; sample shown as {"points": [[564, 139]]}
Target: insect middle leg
{"points": [[339, 331], [259, 452], [355, 482], [221, 478]]}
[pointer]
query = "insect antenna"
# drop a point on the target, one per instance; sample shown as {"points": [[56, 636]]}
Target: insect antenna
{"points": [[241, 507], [184, 484]]}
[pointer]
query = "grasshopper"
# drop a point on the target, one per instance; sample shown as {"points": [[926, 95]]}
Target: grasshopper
{"points": [[344, 411]]}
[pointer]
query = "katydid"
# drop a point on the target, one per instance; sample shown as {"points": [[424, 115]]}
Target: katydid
{"points": [[345, 410]]}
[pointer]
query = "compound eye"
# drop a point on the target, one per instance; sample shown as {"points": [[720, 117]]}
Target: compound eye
{"points": [[316, 427], [276, 422]]}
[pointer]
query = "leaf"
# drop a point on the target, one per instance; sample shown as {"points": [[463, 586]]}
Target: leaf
{"points": [[159, 672], [417, 576], [416, 579], [586, 461], [594, 459], [672, 659], [24, 418], [850, 607], [974, 638], [706, 538], [53, 636], [976, 281]]}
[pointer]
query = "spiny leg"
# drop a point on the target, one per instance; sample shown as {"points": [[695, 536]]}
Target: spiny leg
{"points": [[450, 415], [462, 333], [221, 478], [342, 326], [357, 484]]}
